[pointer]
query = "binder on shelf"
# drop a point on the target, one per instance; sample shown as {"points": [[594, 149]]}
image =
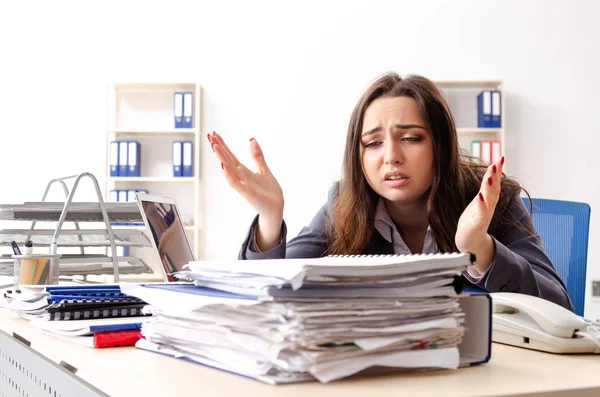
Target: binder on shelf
{"points": [[131, 198], [114, 158], [491, 151], [178, 109], [133, 158], [496, 150], [113, 196], [122, 196], [177, 154], [496, 109], [476, 149], [131, 195], [123, 158], [187, 158], [188, 109], [486, 151], [484, 109]]}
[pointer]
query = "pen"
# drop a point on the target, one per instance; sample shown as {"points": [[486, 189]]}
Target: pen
{"points": [[15, 248], [17, 268]]}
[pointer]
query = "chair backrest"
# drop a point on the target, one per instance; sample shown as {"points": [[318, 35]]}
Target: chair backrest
{"points": [[564, 227]]}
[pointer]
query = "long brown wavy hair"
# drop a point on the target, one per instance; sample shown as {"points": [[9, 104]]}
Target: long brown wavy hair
{"points": [[456, 180]]}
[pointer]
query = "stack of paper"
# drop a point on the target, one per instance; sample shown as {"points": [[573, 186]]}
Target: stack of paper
{"points": [[292, 320], [93, 316], [75, 302]]}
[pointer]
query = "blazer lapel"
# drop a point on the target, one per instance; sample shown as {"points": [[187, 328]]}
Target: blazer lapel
{"points": [[379, 246]]}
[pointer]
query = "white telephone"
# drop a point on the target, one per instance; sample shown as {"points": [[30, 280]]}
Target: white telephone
{"points": [[535, 323]]}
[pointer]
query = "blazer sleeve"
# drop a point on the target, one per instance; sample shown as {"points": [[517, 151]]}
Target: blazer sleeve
{"points": [[520, 264], [311, 242]]}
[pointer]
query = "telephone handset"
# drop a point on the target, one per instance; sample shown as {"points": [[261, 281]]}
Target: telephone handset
{"points": [[535, 323]]}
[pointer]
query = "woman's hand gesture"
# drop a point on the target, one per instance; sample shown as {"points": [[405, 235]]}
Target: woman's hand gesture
{"points": [[260, 189], [471, 232]]}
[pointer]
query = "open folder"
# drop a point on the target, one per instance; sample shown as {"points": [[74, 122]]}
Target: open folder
{"points": [[283, 321]]}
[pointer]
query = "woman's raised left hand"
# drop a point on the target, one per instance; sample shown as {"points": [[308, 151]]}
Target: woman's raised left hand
{"points": [[471, 232]]}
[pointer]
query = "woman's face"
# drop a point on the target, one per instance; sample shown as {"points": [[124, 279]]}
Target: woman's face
{"points": [[396, 150]]}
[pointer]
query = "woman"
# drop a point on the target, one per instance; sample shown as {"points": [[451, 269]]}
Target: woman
{"points": [[406, 188]]}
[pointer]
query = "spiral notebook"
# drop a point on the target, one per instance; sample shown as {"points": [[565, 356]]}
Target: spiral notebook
{"points": [[60, 303], [92, 312], [90, 302]]}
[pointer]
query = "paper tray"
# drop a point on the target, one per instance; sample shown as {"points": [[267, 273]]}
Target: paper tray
{"points": [[84, 212], [84, 265], [76, 238]]}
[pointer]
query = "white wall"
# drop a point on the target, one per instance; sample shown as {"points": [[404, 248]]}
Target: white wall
{"points": [[289, 75]]}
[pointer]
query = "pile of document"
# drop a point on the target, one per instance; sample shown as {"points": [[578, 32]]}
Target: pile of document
{"points": [[291, 320], [92, 316]]}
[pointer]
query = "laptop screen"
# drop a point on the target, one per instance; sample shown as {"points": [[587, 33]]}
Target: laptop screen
{"points": [[168, 233]]}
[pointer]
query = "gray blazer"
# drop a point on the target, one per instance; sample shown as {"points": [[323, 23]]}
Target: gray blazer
{"points": [[520, 264]]}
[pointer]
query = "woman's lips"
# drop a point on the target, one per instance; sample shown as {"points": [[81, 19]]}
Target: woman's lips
{"points": [[395, 183]]}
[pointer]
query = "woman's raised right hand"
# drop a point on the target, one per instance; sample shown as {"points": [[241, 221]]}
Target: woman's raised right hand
{"points": [[260, 189]]}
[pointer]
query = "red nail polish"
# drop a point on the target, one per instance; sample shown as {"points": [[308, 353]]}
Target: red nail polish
{"points": [[222, 166], [208, 137], [490, 180], [494, 168], [480, 196], [211, 146], [502, 161], [251, 139], [214, 133]]}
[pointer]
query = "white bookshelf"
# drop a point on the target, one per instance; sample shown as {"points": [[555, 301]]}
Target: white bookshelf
{"points": [[143, 112], [462, 99], [189, 228], [152, 179], [178, 131], [479, 131]]}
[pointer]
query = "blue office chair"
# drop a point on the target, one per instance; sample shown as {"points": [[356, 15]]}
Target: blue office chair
{"points": [[563, 227]]}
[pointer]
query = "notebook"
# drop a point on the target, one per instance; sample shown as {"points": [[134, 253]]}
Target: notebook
{"points": [[169, 238], [77, 302]]}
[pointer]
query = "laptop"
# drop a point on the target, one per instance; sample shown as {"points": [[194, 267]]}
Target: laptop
{"points": [[168, 235]]}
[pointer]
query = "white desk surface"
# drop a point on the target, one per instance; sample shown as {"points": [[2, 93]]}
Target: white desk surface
{"points": [[129, 372]]}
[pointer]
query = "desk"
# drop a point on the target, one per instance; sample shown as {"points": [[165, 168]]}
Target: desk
{"points": [[133, 372]]}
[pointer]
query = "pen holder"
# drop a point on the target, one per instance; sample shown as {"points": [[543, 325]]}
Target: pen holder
{"points": [[35, 269]]}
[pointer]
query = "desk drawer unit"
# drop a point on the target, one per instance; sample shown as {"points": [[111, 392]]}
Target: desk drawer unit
{"points": [[26, 373]]}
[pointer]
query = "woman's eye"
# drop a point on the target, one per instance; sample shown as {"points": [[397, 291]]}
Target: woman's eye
{"points": [[373, 144], [411, 139]]}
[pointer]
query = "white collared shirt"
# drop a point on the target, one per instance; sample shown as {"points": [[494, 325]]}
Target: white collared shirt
{"points": [[385, 226]]}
